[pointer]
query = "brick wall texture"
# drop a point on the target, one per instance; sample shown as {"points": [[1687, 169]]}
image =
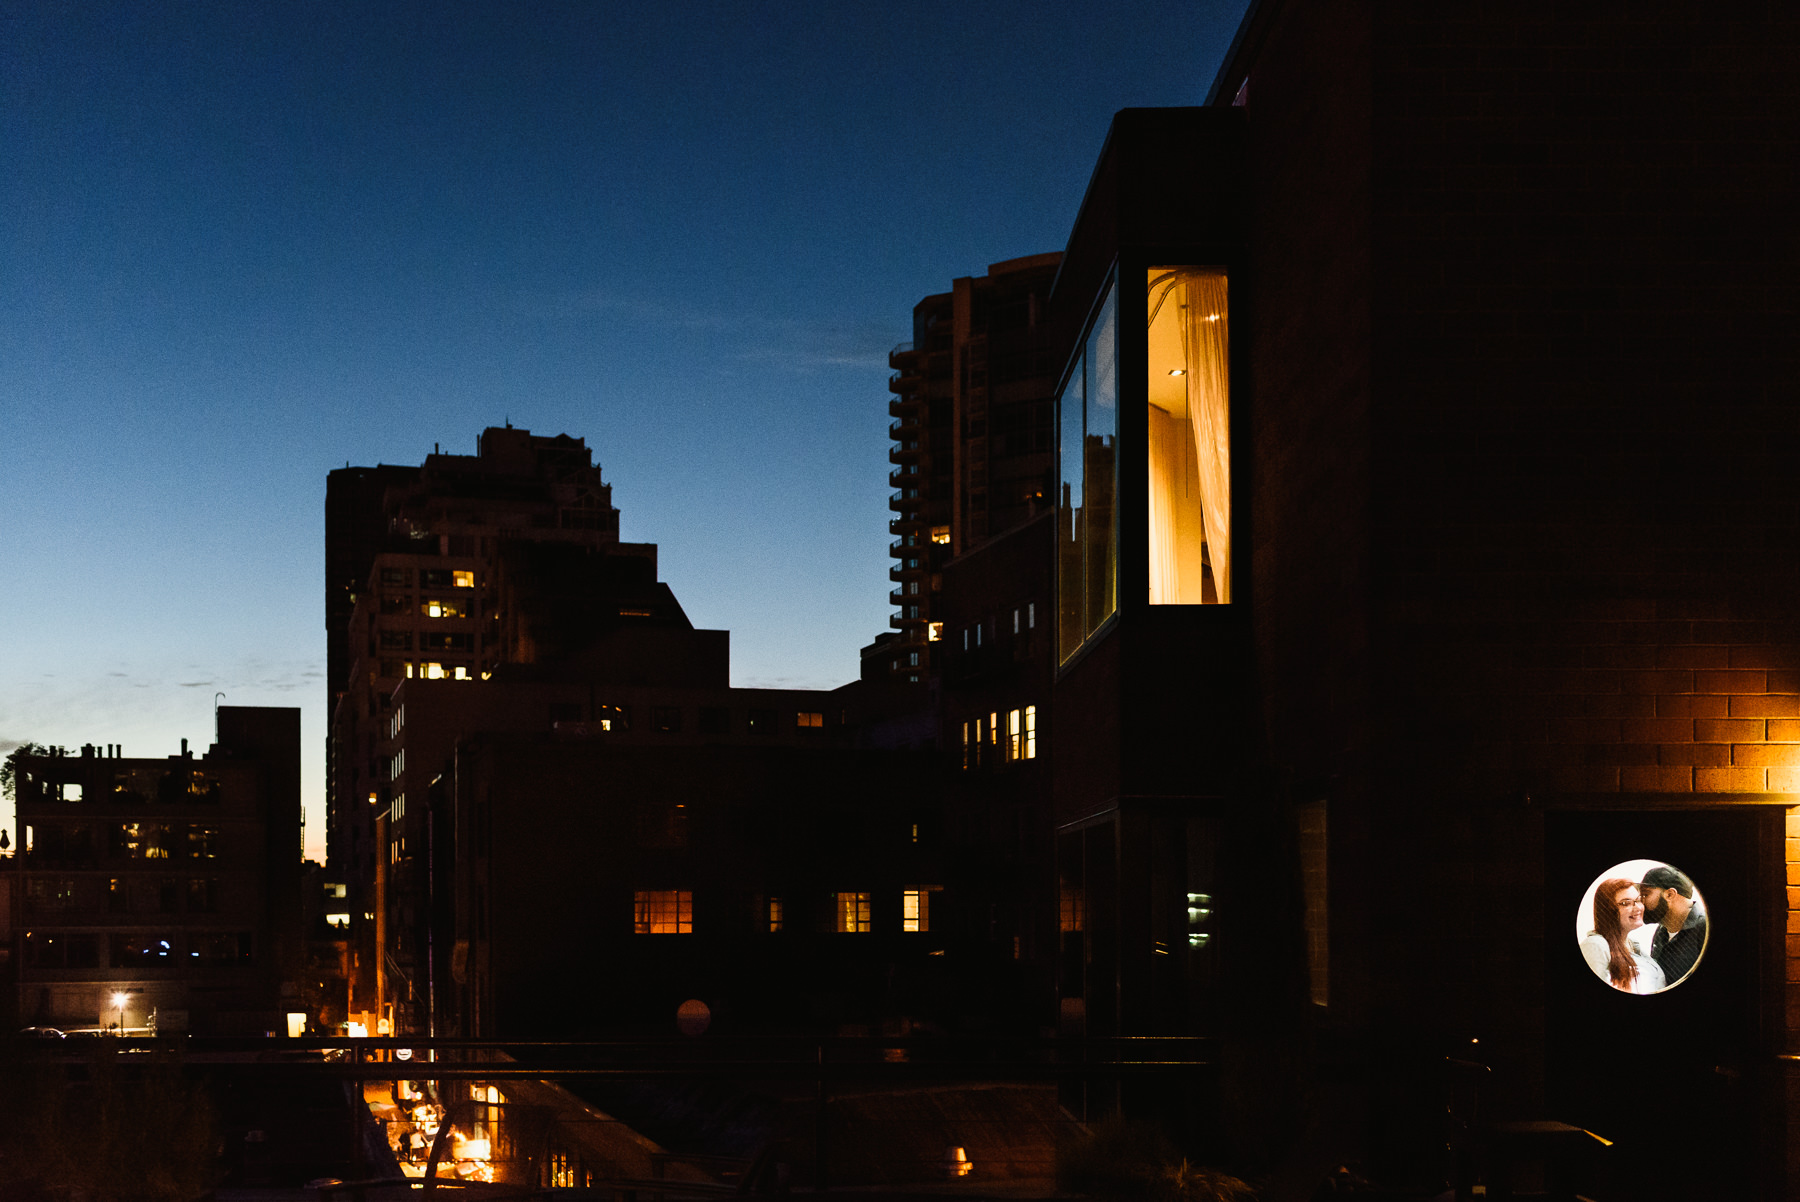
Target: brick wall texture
{"points": [[1526, 519]]}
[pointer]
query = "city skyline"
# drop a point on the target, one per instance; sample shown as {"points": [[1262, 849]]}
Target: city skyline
{"points": [[251, 246]]}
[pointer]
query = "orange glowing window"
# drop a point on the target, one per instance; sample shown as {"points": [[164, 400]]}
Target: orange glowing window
{"points": [[853, 913], [665, 912]]}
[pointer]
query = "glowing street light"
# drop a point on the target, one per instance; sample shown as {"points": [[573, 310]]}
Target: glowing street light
{"points": [[119, 1000]]}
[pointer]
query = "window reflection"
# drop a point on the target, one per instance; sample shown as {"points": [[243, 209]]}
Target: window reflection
{"points": [[1188, 436], [1087, 563]]}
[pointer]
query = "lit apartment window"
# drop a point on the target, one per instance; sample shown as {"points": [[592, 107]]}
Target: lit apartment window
{"points": [[141, 841], [1015, 621], [940, 535], [463, 579], [934, 632], [968, 757], [665, 912], [1031, 615], [853, 913], [1072, 907], [1015, 735], [434, 671], [915, 910], [912, 659], [435, 608], [774, 914], [811, 719], [1031, 732], [1189, 436]]}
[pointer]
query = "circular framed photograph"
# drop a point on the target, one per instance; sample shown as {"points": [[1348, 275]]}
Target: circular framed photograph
{"points": [[1642, 926]]}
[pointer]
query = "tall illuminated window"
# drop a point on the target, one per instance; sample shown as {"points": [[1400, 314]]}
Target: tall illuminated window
{"points": [[915, 910], [853, 913], [665, 912], [1188, 438]]}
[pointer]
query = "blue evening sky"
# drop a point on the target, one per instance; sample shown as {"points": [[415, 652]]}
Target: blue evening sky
{"points": [[244, 243]]}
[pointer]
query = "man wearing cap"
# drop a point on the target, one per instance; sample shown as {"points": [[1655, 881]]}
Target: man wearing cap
{"points": [[1680, 925]]}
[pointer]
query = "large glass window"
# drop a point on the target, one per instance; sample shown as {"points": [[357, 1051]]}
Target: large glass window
{"points": [[664, 912], [1087, 556], [1189, 436]]}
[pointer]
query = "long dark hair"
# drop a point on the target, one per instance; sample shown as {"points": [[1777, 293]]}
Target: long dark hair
{"points": [[1622, 965]]}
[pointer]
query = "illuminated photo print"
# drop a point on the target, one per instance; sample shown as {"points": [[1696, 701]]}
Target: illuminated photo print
{"points": [[1642, 926]]}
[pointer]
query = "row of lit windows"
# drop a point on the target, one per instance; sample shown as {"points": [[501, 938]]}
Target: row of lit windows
{"points": [[400, 669], [1001, 737], [429, 607], [428, 578], [74, 843], [671, 911], [667, 719], [84, 949], [134, 786]]}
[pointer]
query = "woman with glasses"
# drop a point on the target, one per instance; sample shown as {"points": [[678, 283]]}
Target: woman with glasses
{"points": [[1618, 911]]}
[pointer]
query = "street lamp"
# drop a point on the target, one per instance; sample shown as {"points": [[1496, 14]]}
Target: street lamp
{"points": [[119, 1000]]}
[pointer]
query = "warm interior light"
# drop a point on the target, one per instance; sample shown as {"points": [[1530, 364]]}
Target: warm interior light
{"points": [[1178, 371]]}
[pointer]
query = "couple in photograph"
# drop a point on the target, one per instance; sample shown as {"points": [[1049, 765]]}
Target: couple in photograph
{"points": [[1647, 934]]}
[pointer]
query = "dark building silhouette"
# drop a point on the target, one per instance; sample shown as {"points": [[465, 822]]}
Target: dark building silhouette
{"points": [[1430, 551], [173, 882], [973, 443], [445, 572], [598, 885]]}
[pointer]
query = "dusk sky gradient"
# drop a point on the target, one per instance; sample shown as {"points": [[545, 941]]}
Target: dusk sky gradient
{"points": [[246, 243]]}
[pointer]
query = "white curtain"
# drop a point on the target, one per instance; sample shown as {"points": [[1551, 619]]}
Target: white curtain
{"points": [[1206, 345]]}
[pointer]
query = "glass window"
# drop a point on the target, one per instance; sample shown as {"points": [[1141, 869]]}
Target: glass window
{"points": [[1100, 568], [915, 910], [1188, 437], [774, 914], [1087, 563], [665, 912], [853, 913]]}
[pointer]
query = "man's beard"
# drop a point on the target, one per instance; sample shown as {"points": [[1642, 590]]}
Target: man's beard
{"points": [[1659, 913]]}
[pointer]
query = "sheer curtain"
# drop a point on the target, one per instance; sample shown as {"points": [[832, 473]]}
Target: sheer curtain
{"points": [[1205, 342]]}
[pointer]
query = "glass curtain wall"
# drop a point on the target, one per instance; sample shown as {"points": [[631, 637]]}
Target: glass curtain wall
{"points": [[1188, 436], [1087, 551]]}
